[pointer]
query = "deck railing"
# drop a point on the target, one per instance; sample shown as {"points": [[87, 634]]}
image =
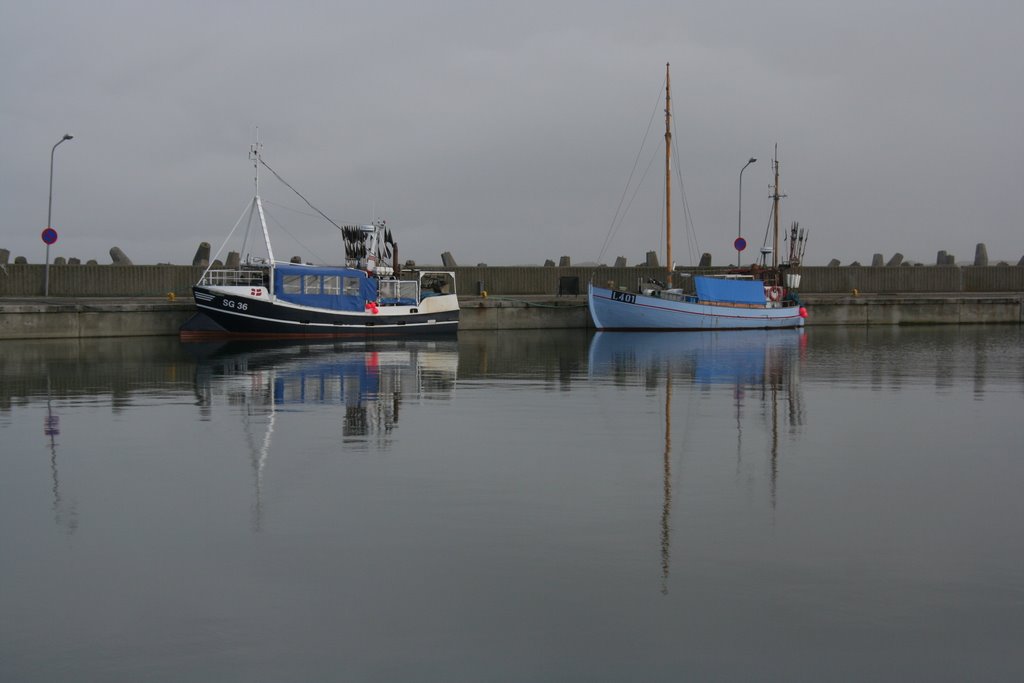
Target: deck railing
{"points": [[233, 278]]}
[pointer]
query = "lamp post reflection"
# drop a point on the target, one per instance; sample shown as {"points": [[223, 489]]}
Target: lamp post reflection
{"points": [[51, 429]]}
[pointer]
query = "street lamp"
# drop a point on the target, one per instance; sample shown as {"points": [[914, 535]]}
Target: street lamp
{"points": [[49, 213], [739, 220]]}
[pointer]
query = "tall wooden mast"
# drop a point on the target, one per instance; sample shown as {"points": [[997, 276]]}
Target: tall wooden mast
{"points": [[668, 174]]}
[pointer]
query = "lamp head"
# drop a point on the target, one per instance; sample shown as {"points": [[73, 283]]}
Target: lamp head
{"points": [[752, 160], [67, 136]]}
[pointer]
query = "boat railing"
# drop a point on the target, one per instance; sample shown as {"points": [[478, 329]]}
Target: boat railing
{"points": [[398, 292], [233, 278]]}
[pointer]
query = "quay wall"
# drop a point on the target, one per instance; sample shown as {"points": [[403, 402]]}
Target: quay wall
{"points": [[532, 280], [107, 301], [88, 318], [68, 319], [20, 280]]}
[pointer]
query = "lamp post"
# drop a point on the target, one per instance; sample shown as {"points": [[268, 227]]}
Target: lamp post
{"points": [[49, 213], [739, 220]]}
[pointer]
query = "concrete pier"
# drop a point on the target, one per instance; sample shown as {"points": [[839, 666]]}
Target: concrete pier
{"points": [[67, 318]]}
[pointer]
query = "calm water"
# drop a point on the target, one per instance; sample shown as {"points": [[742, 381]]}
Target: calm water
{"points": [[844, 504]]}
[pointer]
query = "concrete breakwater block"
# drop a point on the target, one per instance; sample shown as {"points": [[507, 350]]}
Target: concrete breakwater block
{"points": [[981, 255], [119, 257], [202, 257]]}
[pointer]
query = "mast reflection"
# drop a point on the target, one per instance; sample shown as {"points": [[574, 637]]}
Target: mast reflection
{"points": [[760, 363], [366, 381]]}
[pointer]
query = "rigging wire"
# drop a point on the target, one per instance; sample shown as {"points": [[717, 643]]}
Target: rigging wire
{"points": [[691, 232], [248, 208], [309, 251], [308, 203], [248, 226], [619, 212], [288, 208]]}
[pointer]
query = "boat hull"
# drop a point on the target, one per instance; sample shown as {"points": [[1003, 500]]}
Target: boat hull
{"points": [[230, 314], [614, 310]]}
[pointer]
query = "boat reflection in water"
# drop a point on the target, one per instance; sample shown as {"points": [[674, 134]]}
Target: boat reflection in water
{"points": [[759, 364], [365, 381]]}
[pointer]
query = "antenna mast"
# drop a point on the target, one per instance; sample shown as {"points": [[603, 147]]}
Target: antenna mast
{"points": [[255, 153]]}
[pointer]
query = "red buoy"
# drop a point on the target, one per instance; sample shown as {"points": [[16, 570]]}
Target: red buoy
{"points": [[803, 312]]}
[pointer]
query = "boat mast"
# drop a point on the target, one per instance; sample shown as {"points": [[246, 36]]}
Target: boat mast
{"points": [[668, 174], [775, 210], [255, 152]]}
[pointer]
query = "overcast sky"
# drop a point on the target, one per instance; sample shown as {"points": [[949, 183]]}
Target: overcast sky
{"points": [[505, 132]]}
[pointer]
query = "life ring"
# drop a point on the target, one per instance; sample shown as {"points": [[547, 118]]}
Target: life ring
{"points": [[775, 293]]}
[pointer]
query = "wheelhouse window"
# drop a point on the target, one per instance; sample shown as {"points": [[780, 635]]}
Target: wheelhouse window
{"points": [[332, 284], [291, 284], [351, 286], [311, 284]]}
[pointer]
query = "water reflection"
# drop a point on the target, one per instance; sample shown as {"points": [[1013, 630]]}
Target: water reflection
{"points": [[65, 515], [896, 358], [66, 374], [368, 380], [759, 364]]}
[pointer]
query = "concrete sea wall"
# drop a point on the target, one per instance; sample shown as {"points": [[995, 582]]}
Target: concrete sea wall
{"points": [[19, 280], [119, 300], [100, 281], [528, 280], [39, 318]]}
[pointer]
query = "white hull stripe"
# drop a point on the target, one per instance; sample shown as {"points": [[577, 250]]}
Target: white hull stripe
{"points": [[327, 326]]}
